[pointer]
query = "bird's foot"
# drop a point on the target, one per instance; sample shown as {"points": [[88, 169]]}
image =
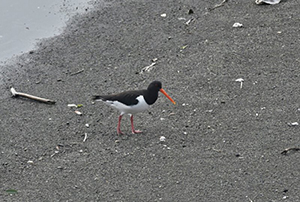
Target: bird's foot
{"points": [[136, 131], [120, 132]]}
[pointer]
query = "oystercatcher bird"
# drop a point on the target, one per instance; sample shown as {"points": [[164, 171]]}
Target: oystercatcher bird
{"points": [[132, 102]]}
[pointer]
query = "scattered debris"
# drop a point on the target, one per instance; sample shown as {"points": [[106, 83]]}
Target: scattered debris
{"points": [[15, 93], [75, 105], [168, 148], [189, 21], [171, 114], [219, 5], [271, 2], [39, 81], [148, 68], [78, 72], [288, 150], [163, 15], [78, 113], [154, 59], [11, 191], [55, 152], [183, 47], [293, 124], [190, 11], [237, 25], [85, 137], [72, 105], [241, 81], [216, 150], [162, 138]]}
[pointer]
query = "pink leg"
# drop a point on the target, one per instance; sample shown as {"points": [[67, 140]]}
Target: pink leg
{"points": [[119, 126], [132, 127]]}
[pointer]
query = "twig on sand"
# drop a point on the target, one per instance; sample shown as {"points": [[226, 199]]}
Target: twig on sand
{"points": [[148, 68], [78, 72], [219, 5], [15, 94]]}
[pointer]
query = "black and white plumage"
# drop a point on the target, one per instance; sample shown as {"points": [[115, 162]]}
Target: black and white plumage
{"points": [[132, 102]]}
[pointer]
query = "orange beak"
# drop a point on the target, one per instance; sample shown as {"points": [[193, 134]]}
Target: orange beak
{"points": [[164, 92]]}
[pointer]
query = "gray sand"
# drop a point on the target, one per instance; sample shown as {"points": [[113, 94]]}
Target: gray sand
{"points": [[223, 141]]}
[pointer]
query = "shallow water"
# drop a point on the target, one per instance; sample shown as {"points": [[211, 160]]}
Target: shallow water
{"points": [[23, 22]]}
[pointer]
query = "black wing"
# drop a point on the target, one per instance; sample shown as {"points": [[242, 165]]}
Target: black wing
{"points": [[127, 97]]}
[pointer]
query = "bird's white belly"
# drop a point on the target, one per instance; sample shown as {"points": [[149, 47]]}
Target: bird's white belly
{"points": [[133, 109]]}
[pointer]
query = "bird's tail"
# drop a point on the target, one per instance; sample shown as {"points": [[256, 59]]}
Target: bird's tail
{"points": [[97, 98]]}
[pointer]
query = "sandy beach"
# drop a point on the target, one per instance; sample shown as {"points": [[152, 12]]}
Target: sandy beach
{"points": [[237, 94]]}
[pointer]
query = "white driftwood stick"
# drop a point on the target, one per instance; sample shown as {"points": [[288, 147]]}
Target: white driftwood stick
{"points": [[15, 93]]}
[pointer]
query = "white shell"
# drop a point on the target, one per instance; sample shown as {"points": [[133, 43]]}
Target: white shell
{"points": [[237, 25], [162, 139]]}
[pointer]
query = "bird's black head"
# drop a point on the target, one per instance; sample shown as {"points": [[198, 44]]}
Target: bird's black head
{"points": [[155, 86], [151, 94]]}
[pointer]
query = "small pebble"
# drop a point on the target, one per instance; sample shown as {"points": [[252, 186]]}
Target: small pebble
{"points": [[78, 112]]}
